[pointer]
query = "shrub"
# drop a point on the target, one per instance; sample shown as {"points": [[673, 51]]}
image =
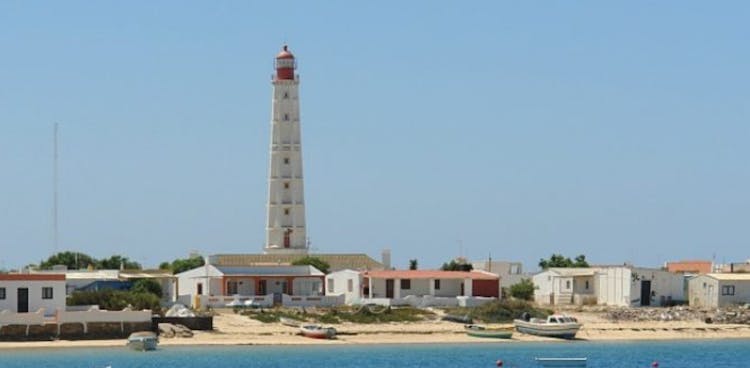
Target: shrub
{"points": [[523, 290], [115, 300], [147, 286]]}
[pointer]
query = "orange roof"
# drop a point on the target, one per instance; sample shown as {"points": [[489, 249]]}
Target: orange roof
{"points": [[32, 277], [430, 274], [689, 266]]}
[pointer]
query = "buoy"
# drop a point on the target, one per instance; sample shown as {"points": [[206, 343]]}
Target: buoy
{"points": [[499, 363], [655, 364]]}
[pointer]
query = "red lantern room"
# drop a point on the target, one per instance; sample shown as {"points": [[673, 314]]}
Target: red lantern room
{"points": [[285, 65]]}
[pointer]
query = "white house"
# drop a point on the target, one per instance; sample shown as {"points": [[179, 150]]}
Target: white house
{"points": [[510, 273], [219, 286], [347, 283], [23, 293], [608, 285], [715, 290]]}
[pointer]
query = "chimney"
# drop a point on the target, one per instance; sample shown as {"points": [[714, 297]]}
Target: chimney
{"points": [[386, 259]]}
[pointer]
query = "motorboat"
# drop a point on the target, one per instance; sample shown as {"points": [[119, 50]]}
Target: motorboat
{"points": [[143, 341], [317, 331], [483, 331], [556, 325]]}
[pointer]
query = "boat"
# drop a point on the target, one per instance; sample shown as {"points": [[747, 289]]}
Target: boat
{"points": [[289, 322], [556, 325], [482, 331], [317, 331], [562, 362], [143, 341]]}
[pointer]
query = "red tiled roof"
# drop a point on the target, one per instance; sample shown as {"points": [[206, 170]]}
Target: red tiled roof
{"points": [[31, 277], [689, 266], [430, 274]]}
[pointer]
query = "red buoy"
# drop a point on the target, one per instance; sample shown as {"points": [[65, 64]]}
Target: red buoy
{"points": [[499, 363], [655, 364]]}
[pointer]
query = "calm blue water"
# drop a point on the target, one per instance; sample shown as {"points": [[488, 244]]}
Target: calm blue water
{"points": [[724, 354]]}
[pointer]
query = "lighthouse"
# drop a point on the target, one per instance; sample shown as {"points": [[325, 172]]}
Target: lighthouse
{"points": [[285, 221]]}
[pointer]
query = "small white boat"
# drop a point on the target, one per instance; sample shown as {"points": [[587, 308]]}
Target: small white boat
{"points": [[562, 362], [289, 322], [317, 331], [143, 341], [556, 325]]}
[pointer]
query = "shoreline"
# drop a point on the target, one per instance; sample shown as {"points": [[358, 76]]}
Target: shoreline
{"points": [[413, 333]]}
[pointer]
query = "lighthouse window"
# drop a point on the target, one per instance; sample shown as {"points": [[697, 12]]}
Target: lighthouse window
{"points": [[286, 95], [286, 185], [286, 160], [286, 117], [286, 211]]}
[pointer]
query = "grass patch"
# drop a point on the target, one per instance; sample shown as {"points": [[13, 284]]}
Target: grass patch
{"points": [[501, 311], [363, 315]]}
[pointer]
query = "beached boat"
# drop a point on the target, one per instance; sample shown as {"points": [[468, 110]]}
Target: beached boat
{"points": [[562, 362], [482, 331], [457, 319], [556, 325], [317, 331], [289, 322], [143, 341]]}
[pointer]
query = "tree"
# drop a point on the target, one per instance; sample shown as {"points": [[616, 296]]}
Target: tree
{"points": [[72, 260], [523, 290], [316, 262], [182, 264], [117, 262], [147, 286], [413, 264], [459, 265], [558, 260]]}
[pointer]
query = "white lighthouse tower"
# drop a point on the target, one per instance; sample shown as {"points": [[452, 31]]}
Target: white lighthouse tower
{"points": [[285, 224]]}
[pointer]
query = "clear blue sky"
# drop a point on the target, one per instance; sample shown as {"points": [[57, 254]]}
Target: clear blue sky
{"points": [[513, 128]]}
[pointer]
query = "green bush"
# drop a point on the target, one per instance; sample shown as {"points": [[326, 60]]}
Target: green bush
{"points": [[147, 286], [501, 311], [523, 290]]}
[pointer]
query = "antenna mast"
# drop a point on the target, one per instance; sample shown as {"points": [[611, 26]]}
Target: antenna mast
{"points": [[55, 233]]}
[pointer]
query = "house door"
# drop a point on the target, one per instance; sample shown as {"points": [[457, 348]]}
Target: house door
{"points": [[462, 288], [262, 287], [23, 300], [389, 288], [645, 293]]}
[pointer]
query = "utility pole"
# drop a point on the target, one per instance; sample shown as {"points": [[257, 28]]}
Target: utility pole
{"points": [[55, 233]]}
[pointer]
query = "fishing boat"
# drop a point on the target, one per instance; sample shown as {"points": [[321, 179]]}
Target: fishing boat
{"points": [[289, 322], [317, 331], [562, 362], [482, 331], [457, 318], [556, 325], [143, 341]]}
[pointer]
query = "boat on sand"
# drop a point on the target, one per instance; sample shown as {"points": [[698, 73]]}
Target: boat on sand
{"points": [[483, 331], [317, 331], [143, 341], [556, 325]]}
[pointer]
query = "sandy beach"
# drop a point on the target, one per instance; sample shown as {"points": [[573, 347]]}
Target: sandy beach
{"points": [[234, 329]]}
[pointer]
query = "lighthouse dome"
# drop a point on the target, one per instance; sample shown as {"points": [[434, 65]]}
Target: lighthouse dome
{"points": [[285, 54]]}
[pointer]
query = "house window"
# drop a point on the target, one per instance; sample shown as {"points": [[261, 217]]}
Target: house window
{"points": [[200, 289], [286, 185], [46, 293], [330, 285], [567, 284], [587, 284], [2, 293], [286, 160], [350, 285], [232, 288], [406, 284], [437, 284], [286, 211], [727, 290]]}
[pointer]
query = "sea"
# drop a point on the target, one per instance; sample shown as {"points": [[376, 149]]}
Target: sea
{"points": [[683, 354]]}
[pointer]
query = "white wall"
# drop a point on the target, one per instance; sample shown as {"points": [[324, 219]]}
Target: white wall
{"points": [[337, 283], [35, 295], [703, 292], [741, 292], [307, 286], [665, 286], [613, 286]]}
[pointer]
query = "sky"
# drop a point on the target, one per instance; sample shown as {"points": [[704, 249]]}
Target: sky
{"points": [[435, 129]]}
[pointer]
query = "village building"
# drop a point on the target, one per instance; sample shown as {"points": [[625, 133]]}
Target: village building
{"points": [[608, 285], [510, 273], [714, 290], [24, 293], [94, 280], [415, 287], [690, 267]]}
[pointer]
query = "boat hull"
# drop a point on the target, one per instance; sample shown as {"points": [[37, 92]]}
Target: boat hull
{"points": [[497, 333], [318, 332], [562, 362], [562, 330], [143, 341]]}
